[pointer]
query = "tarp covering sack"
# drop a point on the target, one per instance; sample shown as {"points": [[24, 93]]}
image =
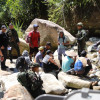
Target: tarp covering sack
{"points": [[51, 85]]}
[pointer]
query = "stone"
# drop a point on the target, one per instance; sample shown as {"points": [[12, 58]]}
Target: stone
{"points": [[9, 80], [99, 83], [23, 46], [73, 81], [51, 85], [17, 92], [96, 87], [49, 32], [92, 75], [4, 73], [97, 74]]}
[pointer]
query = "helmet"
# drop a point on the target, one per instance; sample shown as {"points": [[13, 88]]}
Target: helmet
{"points": [[80, 24]]}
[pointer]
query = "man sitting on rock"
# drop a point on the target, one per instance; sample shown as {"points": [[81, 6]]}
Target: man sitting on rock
{"points": [[39, 56], [31, 80], [68, 60]]}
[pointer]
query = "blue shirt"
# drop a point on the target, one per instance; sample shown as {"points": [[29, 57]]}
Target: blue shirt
{"points": [[67, 61], [39, 57]]}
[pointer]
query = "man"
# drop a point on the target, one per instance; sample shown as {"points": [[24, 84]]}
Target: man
{"points": [[34, 41], [47, 47], [31, 80], [3, 46], [62, 42], [13, 41], [39, 56], [81, 38], [68, 61]]}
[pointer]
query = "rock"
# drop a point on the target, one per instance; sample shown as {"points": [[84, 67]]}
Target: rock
{"points": [[51, 85], [23, 46], [9, 80], [94, 55], [49, 31], [96, 87], [99, 83], [4, 73], [92, 75], [17, 92], [97, 74], [73, 81]]}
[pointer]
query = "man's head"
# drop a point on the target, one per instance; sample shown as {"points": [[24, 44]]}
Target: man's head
{"points": [[48, 45], [3, 28], [41, 49], [35, 26], [61, 34], [11, 26], [35, 67], [49, 52], [79, 25]]}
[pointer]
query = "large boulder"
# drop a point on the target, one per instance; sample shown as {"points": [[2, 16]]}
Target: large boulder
{"points": [[49, 31], [23, 46], [73, 81], [51, 85], [17, 92]]}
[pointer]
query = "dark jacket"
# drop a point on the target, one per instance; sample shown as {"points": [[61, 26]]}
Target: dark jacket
{"points": [[3, 40], [13, 36]]}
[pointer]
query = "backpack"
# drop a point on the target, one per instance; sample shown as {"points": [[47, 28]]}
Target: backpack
{"points": [[28, 39], [78, 66], [21, 63]]}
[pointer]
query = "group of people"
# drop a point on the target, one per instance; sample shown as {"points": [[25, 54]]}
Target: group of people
{"points": [[8, 40], [41, 56]]}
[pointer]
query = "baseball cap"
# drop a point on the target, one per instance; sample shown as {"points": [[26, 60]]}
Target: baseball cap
{"points": [[41, 48], [3, 27], [35, 25]]}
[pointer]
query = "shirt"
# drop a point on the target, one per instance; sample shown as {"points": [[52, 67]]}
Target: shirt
{"points": [[39, 57], [35, 37], [67, 63], [61, 40], [46, 59]]}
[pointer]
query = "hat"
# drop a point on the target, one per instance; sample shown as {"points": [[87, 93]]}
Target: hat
{"points": [[83, 53], [41, 48], [83, 60], [10, 24], [35, 25], [61, 32], [98, 48], [80, 24], [48, 43], [48, 52], [34, 65], [71, 53], [3, 27]]}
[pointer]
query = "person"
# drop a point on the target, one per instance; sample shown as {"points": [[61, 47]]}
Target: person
{"points": [[23, 62], [34, 41], [89, 65], [47, 47], [49, 65], [81, 38], [62, 42], [68, 60], [31, 80], [39, 56], [3, 46], [13, 41]]}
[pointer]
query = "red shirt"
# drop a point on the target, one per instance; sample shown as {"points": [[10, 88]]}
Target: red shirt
{"points": [[35, 36]]}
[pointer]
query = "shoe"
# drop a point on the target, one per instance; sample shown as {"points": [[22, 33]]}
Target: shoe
{"points": [[11, 61], [6, 67]]}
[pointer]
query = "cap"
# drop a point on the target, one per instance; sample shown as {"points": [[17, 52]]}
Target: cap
{"points": [[48, 43], [35, 25], [80, 24], [10, 24], [61, 32], [3, 27], [71, 53], [34, 65], [48, 52], [41, 48]]}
